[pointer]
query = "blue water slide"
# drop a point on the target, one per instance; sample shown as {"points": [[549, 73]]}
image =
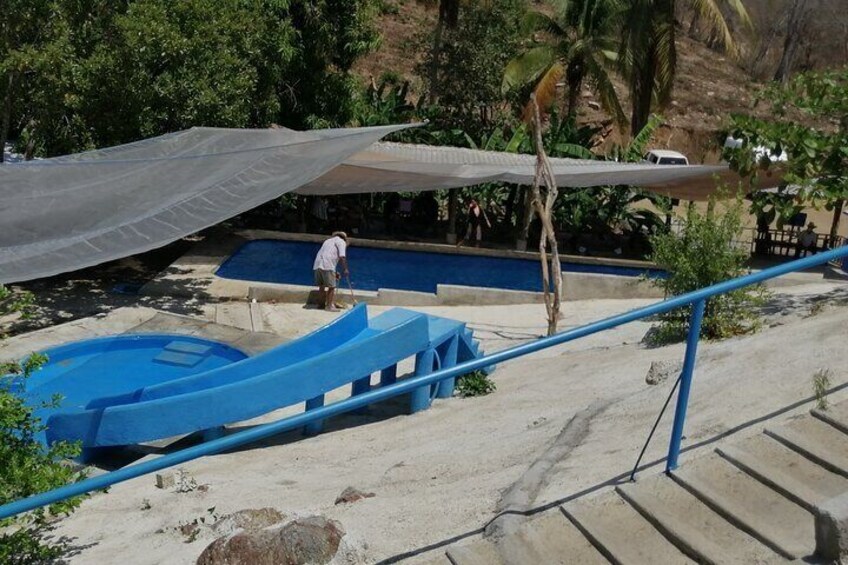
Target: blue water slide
{"points": [[338, 354], [347, 328]]}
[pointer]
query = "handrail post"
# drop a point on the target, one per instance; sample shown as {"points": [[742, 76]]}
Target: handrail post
{"points": [[692, 339]]}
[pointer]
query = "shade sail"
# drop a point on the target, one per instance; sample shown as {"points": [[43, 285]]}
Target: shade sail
{"points": [[391, 167], [70, 212], [66, 213]]}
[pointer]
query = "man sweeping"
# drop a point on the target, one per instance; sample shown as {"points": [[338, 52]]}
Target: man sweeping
{"points": [[333, 251]]}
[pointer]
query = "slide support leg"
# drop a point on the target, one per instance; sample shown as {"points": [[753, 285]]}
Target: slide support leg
{"points": [[420, 397], [448, 360], [314, 428]]}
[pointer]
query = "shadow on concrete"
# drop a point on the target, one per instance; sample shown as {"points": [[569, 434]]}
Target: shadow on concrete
{"points": [[805, 304], [101, 289]]}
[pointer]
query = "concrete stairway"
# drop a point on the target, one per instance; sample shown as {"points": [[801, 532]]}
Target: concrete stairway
{"points": [[749, 502]]}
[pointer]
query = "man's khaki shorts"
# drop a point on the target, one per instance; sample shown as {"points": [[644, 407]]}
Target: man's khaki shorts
{"points": [[325, 278]]}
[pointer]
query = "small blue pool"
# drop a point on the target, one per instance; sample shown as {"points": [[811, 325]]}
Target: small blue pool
{"points": [[290, 262], [84, 371]]}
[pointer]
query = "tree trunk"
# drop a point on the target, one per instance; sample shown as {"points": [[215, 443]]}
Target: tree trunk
{"points": [[448, 18], [509, 207], [526, 217], [453, 202], [837, 215], [642, 94], [5, 123], [797, 14], [551, 273], [574, 77]]}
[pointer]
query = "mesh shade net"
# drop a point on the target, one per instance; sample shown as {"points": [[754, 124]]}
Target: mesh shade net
{"points": [[70, 212], [66, 213]]}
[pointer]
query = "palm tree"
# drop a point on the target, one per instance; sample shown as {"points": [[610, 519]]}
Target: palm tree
{"points": [[647, 53], [580, 45]]}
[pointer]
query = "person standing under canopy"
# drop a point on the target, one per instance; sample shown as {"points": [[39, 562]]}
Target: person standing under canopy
{"points": [[332, 252], [476, 217]]}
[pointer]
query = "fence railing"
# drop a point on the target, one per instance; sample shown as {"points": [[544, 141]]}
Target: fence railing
{"points": [[697, 299]]}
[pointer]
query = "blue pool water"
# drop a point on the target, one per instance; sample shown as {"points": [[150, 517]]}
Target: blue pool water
{"points": [[86, 370], [290, 262]]}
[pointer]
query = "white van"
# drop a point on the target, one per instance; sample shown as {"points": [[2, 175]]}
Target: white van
{"points": [[665, 157]]}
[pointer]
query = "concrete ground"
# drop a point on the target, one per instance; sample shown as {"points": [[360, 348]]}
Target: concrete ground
{"points": [[446, 473]]}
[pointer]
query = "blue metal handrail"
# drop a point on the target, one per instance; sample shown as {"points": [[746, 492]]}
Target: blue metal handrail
{"points": [[697, 298]]}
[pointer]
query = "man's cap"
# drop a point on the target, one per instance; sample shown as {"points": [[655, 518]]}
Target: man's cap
{"points": [[340, 234], [811, 225]]}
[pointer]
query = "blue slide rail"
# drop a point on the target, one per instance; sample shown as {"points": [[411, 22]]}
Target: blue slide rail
{"points": [[697, 299]]}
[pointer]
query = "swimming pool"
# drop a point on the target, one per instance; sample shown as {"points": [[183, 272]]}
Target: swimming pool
{"points": [[85, 371], [290, 262]]}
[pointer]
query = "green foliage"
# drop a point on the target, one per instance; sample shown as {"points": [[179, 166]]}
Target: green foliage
{"points": [[26, 467], [477, 383], [579, 42], [703, 254], [600, 210], [821, 385], [816, 146], [465, 73], [103, 73]]}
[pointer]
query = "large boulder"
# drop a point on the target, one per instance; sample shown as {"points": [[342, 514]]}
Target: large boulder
{"points": [[312, 540]]}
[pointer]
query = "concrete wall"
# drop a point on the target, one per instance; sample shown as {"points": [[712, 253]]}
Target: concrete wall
{"points": [[589, 286]]}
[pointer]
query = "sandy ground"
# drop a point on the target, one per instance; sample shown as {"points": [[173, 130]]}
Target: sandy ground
{"points": [[441, 474]]}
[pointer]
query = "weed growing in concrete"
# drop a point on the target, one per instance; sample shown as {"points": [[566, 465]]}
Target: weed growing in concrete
{"points": [[477, 383], [821, 384]]}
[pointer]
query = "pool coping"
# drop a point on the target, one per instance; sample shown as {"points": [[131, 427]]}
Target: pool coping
{"points": [[136, 320], [194, 273]]}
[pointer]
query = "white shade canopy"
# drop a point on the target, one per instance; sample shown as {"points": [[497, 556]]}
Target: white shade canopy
{"points": [[66, 213]]}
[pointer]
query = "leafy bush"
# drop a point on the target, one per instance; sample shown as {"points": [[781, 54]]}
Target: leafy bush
{"points": [[477, 383], [702, 254], [26, 466]]}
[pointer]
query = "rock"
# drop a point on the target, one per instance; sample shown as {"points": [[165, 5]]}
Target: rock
{"points": [[311, 540], [184, 481], [594, 105], [249, 519], [660, 371], [351, 494], [307, 540], [164, 480]]}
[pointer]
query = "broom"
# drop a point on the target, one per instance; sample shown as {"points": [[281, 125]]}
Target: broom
{"points": [[350, 287]]}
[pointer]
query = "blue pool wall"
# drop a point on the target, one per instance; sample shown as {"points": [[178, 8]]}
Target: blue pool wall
{"points": [[83, 372], [290, 262]]}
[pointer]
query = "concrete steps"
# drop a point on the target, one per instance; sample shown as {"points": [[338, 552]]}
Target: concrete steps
{"points": [[612, 525], [694, 528], [549, 538], [782, 525], [752, 501], [785, 470]]}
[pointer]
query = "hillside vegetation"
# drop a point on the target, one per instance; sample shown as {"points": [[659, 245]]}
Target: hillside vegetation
{"points": [[709, 85]]}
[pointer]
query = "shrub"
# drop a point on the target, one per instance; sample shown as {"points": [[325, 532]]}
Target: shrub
{"points": [[477, 383], [26, 466], [704, 253]]}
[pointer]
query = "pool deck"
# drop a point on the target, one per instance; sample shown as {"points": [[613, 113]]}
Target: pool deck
{"points": [[195, 272]]}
